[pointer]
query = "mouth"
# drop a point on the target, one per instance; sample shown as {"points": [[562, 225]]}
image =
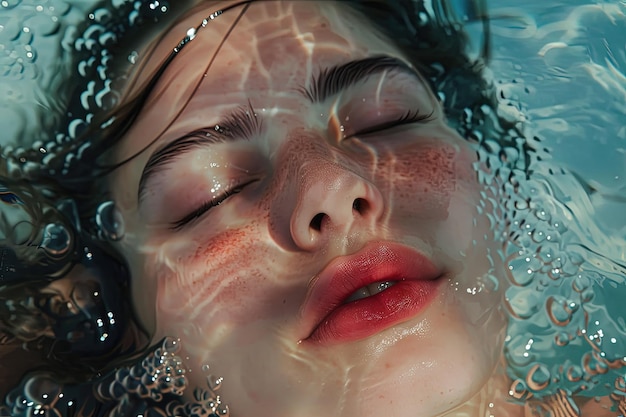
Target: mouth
{"points": [[357, 296], [369, 290]]}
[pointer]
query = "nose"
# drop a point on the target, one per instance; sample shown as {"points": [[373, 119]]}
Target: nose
{"points": [[332, 202]]}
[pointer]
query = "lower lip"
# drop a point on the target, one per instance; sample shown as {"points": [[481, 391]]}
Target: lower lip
{"points": [[368, 316]]}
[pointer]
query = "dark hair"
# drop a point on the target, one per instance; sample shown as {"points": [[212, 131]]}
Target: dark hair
{"points": [[61, 189]]}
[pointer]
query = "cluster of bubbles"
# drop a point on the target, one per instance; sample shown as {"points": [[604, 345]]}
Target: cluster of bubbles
{"points": [[107, 225], [566, 331], [566, 335], [151, 378], [93, 71], [31, 33], [129, 391], [153, 385]]}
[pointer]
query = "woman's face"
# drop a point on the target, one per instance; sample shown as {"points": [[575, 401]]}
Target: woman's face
{"points": [[288, 177]]}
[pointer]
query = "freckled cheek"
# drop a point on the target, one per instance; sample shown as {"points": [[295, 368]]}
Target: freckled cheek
{"points": [[422, 179], [226, 280]]}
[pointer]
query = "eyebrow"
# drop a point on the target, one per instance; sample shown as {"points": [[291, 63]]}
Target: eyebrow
{"points": [[244, 123], [241, 124], [330, 81]]}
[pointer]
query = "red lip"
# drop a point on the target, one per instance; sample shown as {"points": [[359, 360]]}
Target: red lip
{"points": [[329, 320]]}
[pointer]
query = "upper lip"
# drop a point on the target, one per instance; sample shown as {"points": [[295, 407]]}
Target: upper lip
{"points": [[376, 262]]}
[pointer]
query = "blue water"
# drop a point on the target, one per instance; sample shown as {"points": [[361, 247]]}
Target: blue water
{"points": [[566, 61], [561, 66]]}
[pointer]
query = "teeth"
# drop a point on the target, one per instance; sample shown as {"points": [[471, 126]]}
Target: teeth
{"points": [[369, 290], [358, 294]]}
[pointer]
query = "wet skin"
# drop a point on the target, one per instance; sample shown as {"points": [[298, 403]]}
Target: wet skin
{"points": [[316, 179]]}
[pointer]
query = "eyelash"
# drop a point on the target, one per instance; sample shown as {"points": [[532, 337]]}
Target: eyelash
{"points": [[197, 213], [243, 123], [410, 117]]}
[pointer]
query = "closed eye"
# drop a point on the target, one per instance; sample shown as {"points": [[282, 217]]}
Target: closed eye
{"points": [[410, 117], [208, 205]]}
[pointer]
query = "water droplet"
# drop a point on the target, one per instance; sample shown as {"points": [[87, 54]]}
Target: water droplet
{"points": [[214, 383], [191, 33], [109, 221]]}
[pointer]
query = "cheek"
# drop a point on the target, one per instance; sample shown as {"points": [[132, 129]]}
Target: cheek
{"points": [[421, 180], [204, 282]]}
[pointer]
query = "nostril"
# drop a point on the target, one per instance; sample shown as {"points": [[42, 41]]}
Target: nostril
{"points": [[360, 205], [316, 222]]}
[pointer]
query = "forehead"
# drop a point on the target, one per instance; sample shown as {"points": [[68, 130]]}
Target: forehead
{"points": [[267, 36], [265, 50]]}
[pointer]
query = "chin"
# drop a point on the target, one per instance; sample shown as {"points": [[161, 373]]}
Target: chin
{"points": [[425, 368]]}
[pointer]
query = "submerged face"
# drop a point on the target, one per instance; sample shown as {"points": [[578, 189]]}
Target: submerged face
{"points": [[285, 183]]}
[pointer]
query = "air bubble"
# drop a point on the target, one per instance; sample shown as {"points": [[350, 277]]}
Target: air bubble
{"points": [[561, 339], [191, 33], [542, 214], [538, 236], [521, 204], [574, 373], [109, 221], [519, 390], [56, 239], [593, 364], [41, 390], [581, 283], [171, 345], [560, 310], [521, 270], [538, 378], [132, 57]]}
